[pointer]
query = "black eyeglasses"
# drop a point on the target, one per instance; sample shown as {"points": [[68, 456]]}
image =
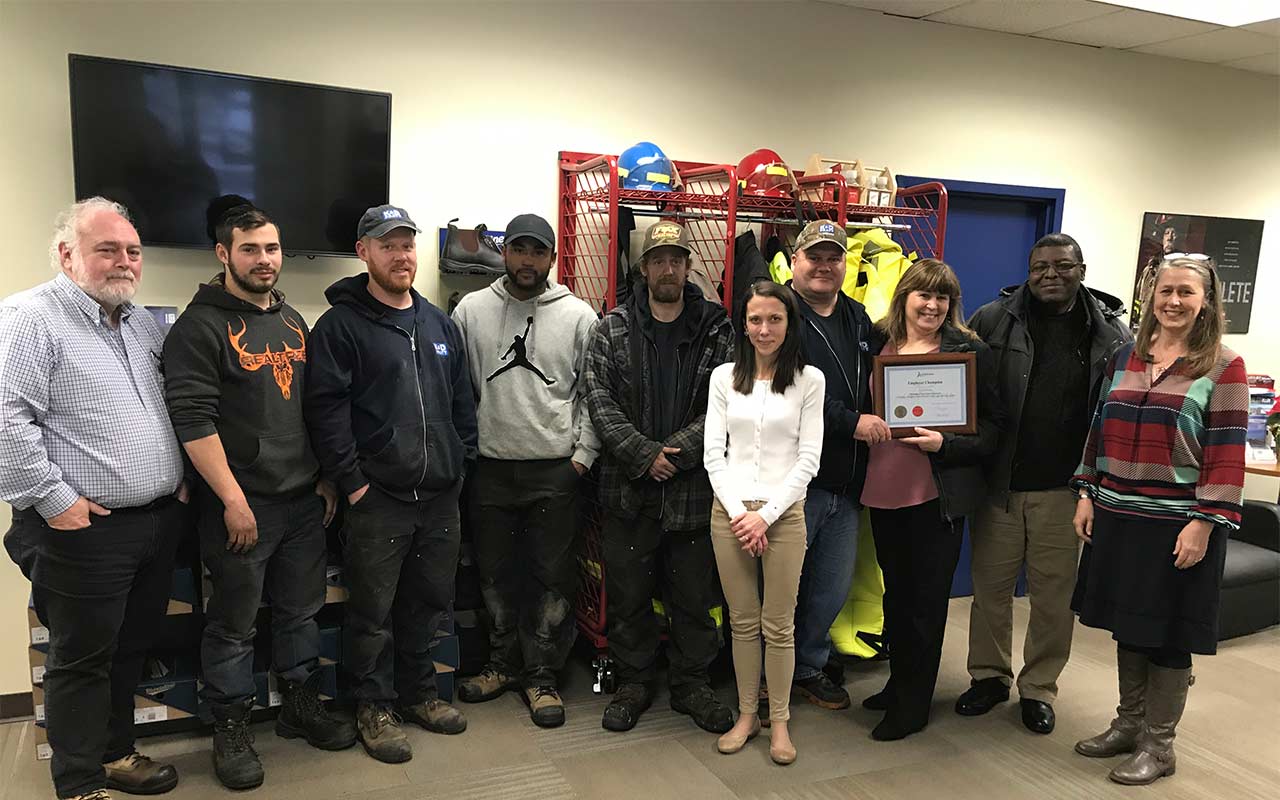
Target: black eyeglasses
{"points": [[1060, 267]]}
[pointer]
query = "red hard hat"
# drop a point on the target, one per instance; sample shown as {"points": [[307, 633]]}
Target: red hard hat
{"points": [[764, 173]]}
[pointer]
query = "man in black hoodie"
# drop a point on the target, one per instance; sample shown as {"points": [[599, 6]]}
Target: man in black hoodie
{"points": [[647, 375], [234, 364], [392, 415], [1052, 338], [839, 339]]}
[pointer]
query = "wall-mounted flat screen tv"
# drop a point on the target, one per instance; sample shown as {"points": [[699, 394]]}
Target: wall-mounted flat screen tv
{"points": [[164, 141]]}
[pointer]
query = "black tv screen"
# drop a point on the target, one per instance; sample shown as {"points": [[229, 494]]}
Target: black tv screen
{"points": [[164, 141]]}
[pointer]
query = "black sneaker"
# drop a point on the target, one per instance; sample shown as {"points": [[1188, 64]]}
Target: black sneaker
{"points": [[706, 709], [627, 705], [820, 691]]}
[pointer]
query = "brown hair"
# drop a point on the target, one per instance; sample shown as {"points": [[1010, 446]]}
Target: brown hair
{"points": [[790, 360], [1204, 343], [926, 275]]}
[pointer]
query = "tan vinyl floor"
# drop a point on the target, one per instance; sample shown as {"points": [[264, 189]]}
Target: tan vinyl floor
{"points": [[1228, 746]]}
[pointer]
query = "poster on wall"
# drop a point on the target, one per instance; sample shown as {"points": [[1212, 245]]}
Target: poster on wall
{"points": [[1233, 244]]}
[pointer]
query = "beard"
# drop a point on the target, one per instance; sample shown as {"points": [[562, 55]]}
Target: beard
{"points": [[666, 291], [537, 283], [392, 283], [251, 283], [111, 291]]}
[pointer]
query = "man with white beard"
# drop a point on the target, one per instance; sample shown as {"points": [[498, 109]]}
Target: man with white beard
{"points": [[90, 464]]}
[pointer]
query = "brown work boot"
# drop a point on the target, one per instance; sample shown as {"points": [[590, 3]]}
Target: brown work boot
{"points": [[546, 709], [490, 683], [137, 774], [436, 716], [381, 734]]}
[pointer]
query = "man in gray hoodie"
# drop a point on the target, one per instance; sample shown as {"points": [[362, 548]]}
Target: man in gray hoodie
{"points": [[526, 340]]}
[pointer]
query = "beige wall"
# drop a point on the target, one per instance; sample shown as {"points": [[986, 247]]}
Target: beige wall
{"points": [[485, 95]]}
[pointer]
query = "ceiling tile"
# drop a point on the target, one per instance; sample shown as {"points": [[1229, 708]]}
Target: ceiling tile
{"points": [[1125, 29], [1269, 28], [1020, 16], [1269, 64], [1224, 44], [905, 8]]}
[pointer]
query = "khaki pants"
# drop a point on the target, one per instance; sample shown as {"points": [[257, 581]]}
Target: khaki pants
{"points": [[1035, 527], [775, 617]]}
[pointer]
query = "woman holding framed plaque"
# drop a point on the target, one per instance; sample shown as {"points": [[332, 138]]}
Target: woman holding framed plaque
{"points": [[762, 447], [1161, 483], [929, 386]]}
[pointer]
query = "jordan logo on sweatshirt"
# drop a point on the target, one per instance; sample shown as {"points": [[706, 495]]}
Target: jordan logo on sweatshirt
{"points": [[521, 357]]}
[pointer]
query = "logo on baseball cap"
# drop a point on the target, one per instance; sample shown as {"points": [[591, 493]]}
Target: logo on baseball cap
{"points": [[381, 220], [665, 233], [822, 230]]}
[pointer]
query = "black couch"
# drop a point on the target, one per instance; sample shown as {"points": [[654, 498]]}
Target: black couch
{"points": [[1251, 579]]}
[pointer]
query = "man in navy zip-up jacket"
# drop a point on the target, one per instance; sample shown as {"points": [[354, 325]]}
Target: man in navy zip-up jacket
{"points": [[391, 413], [839, 339]]}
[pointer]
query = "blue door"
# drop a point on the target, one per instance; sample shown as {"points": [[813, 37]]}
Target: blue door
{"points": [[990, 230]]}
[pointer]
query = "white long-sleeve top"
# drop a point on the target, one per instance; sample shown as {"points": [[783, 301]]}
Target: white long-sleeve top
{"points": [[763, 446]]}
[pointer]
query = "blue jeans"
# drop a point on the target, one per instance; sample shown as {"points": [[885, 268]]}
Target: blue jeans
{"points": [[288, 562], [831, 522]]}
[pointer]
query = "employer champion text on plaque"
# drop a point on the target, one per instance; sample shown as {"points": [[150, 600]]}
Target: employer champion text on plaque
{"points": [[934, 390]]}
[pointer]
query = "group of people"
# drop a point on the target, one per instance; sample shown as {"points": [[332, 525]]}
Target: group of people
{"points": [[742, 452]]}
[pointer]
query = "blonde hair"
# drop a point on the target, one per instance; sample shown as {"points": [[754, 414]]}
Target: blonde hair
{"points": [[67, 225], [1204, 343], [926, 275]]}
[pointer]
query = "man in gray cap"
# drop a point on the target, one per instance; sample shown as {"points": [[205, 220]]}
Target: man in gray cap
{"points": [[648, 372], [526, 339], [838, 338], [391, 413]]}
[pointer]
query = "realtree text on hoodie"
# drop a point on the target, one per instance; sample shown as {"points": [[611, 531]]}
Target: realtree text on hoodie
{"points": [[237, 370], [527, 359]]}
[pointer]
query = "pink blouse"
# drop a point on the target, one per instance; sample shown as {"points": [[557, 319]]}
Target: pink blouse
{"points": [[898, 475]]}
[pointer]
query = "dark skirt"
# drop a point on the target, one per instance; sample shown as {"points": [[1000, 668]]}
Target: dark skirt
{"points": [[1127, 584]]}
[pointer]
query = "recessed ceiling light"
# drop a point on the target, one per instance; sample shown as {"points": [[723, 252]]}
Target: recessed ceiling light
{"points": [[1231, 13]]}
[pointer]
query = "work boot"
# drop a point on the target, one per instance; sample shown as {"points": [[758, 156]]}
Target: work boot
{"points": [[471, 252], [706, 709], [381, 734], [1153, 756], [820, 691], [137, 774], [546, 709], [436, 716], [1123, 733], [490, 683], [303, 715], [629, 702], [235, 762]]}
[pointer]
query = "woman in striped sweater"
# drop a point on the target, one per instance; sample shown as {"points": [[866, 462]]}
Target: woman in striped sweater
{"points": [[1160, 486]]}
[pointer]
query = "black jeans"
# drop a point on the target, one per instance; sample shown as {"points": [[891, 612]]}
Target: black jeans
{"points": [[917, 550], [100, 591], [289, 561], [524, 521], [399, 560], [634, 551]]}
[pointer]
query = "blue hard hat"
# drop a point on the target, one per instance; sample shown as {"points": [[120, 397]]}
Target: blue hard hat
{"points": [[643, 165]]}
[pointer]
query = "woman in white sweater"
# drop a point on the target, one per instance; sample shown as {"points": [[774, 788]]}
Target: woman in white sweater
{"points": [[763, 443]]}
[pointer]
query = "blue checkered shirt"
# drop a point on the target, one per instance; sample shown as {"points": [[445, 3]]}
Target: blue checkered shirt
{"points": [[82, 411]]}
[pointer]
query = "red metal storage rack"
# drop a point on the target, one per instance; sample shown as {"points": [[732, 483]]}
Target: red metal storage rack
{"points": [[712, 210]]}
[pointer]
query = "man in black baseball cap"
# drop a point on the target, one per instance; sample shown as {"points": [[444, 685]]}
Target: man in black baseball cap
{"points": [[391, 413], [526, 341]]}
